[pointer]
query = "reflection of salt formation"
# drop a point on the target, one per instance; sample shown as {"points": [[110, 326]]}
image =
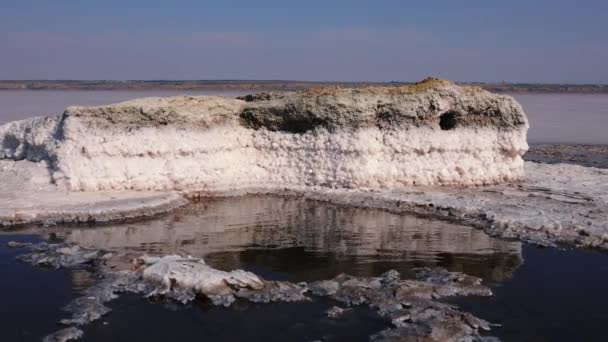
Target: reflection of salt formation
{"points": [[236, 224], [82, 279], [273, 222]]}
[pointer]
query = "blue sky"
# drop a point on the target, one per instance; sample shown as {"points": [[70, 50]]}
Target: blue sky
{"points": [[383, 40]]}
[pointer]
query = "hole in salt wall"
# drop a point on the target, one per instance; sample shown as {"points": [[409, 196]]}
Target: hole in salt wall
{"points": [[448, 121]]}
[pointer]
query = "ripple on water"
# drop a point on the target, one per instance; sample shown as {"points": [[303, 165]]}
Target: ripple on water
{"points": [[301, 240]]}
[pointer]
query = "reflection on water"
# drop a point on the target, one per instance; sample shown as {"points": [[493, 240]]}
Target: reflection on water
{"points": [[82, 279], [556, 295], [302, 240]]}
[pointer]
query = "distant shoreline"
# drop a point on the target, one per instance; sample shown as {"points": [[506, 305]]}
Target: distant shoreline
{"points": [[272, 85]]}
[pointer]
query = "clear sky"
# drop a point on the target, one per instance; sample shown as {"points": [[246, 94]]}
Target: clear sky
{"points": [[352, 40]]}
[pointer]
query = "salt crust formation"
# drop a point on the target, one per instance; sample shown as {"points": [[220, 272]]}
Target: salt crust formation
{"points": [[554, 203], [27, 195], [363, 147], [431, 133], [410, 306]]}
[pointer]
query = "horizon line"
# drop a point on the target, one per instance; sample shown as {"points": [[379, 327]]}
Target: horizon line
{"points": [[504, 82]]}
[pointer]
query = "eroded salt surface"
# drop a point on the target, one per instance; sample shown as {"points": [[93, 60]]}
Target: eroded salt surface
{"points": [[556, 203], [410, 306], [28, 195], [433, 133]]}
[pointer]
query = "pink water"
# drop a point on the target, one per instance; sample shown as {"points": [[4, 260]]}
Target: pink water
{"points": [[566, 118], [554, 118]]}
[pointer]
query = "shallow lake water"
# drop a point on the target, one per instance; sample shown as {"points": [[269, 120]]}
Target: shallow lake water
{"points": [[566, 118], [554, 118], [540, 294], [301, 240]]}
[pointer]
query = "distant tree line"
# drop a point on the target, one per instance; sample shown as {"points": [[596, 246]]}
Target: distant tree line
{"points": [[277, 85]]}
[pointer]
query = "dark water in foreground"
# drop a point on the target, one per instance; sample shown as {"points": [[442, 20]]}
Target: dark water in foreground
{"points": [[540, 294]]}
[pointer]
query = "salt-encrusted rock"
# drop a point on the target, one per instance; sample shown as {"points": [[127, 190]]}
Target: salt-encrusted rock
{"points": [[63, 335], [414, 313], [335, 312], [193, 274], [58, 255], [410, 305], [17, 244], [431, 133]]}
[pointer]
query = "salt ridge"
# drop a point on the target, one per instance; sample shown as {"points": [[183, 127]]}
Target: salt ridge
{"points": [[333, 138]]}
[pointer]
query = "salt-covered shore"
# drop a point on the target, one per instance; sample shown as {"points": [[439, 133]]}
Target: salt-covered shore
{"points": [[28, 196], [554, 204], [435, 149]]}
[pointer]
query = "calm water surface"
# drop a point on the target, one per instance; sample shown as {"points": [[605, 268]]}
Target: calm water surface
{"points": [[566, 118], [554, 118], [540, 294], [300, 240]]}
